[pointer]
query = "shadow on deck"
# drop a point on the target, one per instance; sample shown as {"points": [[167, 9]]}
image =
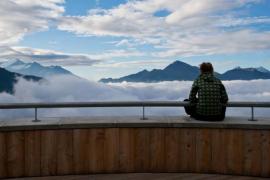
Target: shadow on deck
{"points": [[146, 176]]}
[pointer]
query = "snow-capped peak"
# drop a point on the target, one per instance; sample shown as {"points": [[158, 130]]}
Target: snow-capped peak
{"points": [[262, 69], [34, 68], [13, 62]]}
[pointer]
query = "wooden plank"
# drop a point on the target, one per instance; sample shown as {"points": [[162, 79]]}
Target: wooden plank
{"points": [[219, 147], [142, 150], [127, 150], [252, 153], [15, 149], [203, 151], [81, 155], [3, 155], [32, 153], [111, 150], [188, 150], [96, 152], [172, 153], [235, 153], [48, 152], [232, 151], [64, 152], [265, 150], [157, 149]]}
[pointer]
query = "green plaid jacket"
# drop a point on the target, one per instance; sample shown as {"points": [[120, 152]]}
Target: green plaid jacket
{"points": [[211, 95]]}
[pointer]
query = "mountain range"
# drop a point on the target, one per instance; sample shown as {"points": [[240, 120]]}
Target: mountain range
{"points": [[34, 69], [12, 69], [179, 70], [176, 71]]}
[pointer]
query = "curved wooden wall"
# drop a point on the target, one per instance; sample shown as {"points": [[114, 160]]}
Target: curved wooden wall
{"points": [[115, 150]]}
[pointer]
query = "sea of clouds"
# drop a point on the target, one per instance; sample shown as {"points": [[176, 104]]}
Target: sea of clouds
{"points": [[72, 89]]}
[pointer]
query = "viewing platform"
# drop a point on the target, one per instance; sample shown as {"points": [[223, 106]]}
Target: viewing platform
{"points": [[42, 146], [94, 145]]}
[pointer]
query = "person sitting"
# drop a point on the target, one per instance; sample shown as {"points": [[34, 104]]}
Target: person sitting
{"points": [[212, 96]]}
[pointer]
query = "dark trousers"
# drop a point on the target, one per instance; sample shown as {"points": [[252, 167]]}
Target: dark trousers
{"points": [[191, 110]]}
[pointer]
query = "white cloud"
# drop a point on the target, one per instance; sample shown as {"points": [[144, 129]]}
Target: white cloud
{"points": [[21, 17], [124, 42], [44, 56], [193, 26], [222, 43], [127, 64], [51, 57], [60, 89], [109, 54], [189, 9]]}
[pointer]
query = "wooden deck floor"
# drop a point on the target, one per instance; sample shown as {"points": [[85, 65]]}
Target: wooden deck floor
{"points": [[146, 176]]}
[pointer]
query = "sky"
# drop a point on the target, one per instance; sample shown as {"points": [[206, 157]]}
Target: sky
{"points": [[99, 38]]}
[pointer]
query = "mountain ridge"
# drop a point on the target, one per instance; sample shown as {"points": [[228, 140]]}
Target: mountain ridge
{"points": [[8, 80], [179, 70], [34, 68]]}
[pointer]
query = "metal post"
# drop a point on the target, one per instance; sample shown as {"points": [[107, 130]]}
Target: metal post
{"points": [[252, 114], [143, 117], [36, 120]]}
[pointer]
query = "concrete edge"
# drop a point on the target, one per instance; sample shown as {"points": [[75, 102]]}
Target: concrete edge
{"points": [[132, 125]]}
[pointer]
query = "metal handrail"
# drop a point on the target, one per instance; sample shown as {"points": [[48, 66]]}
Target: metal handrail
{"points": [[142, 104]]}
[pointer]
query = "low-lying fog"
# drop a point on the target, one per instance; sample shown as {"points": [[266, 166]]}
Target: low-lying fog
{"points": [[65, 88]]}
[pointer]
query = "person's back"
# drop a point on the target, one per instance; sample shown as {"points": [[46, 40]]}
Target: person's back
{"points": [[212, 97]]}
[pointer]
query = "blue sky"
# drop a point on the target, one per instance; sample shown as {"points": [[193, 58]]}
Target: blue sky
{"points": [[115, 38]]}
